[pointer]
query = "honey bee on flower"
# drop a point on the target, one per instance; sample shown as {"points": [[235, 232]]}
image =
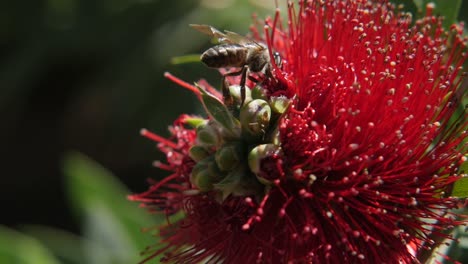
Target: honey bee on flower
{"points": [[237, 51]]}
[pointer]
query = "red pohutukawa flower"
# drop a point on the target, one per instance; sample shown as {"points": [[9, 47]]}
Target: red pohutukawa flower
{"points": [[344, 149]]}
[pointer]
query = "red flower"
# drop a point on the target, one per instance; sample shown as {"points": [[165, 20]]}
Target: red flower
{"points": [[359, 166]]}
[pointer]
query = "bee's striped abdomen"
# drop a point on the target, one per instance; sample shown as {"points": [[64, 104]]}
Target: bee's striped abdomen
{"points": [[225, 55]]}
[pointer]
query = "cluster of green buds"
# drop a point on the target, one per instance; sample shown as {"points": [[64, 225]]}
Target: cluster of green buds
{"points": [[231, 144]]}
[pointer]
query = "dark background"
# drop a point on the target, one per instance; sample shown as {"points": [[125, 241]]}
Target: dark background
{"points": [[86, 76]]}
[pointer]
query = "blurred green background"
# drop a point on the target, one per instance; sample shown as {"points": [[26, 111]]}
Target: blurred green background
{"points": [[83, 76], [86, 75]]}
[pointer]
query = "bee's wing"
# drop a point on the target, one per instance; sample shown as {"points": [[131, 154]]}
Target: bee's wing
{"points": [[239, 39], [236, 38], [228, 37], [212, 32]]}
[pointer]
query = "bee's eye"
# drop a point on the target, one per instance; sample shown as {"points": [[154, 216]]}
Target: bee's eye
{"points": [[278, 60]]}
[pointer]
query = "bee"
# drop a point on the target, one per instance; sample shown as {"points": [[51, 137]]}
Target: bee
{"points": [[237, 51]]}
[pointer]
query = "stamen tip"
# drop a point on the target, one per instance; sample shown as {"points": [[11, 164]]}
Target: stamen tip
{"points": [[143, 131]]}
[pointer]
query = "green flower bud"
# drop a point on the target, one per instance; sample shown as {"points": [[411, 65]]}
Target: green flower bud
{"points": [[259, 93], [208, 135], [202, 180], [255, 117], [195, 121], [235, 91], [204, 174], [229, 183], [227, 157], [198, 153], [239, 182], [218, 110], [256, 156], [279, 104]]}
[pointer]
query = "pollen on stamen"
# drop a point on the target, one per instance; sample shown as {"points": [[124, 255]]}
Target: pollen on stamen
{"points": [[305, 194], [353, 146], [282, 212], [429, 9], [249, 201], [356, 233], [312, 179], [260, 211], [314, 231]]}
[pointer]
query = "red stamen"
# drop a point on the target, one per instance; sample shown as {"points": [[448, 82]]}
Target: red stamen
{"points": [[182, 83], [144, 132], [273, 27], [270, 47], [158, 164]]}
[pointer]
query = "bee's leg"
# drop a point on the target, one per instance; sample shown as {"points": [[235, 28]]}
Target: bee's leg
{"points": [[242, 83], [253, 79], [243, 73], [227, 97]]}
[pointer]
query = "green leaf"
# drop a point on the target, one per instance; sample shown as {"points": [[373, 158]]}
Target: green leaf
{"points": [[104, 229], [194, 122], [191, 58], [460, 188], [448, 9], [420, 4], [414, 7], [218, 110], [18, 248], [65, 245], [464, 166], [110, 219]]}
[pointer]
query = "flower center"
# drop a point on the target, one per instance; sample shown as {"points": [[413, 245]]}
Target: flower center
{"points": [[237, 150]]}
